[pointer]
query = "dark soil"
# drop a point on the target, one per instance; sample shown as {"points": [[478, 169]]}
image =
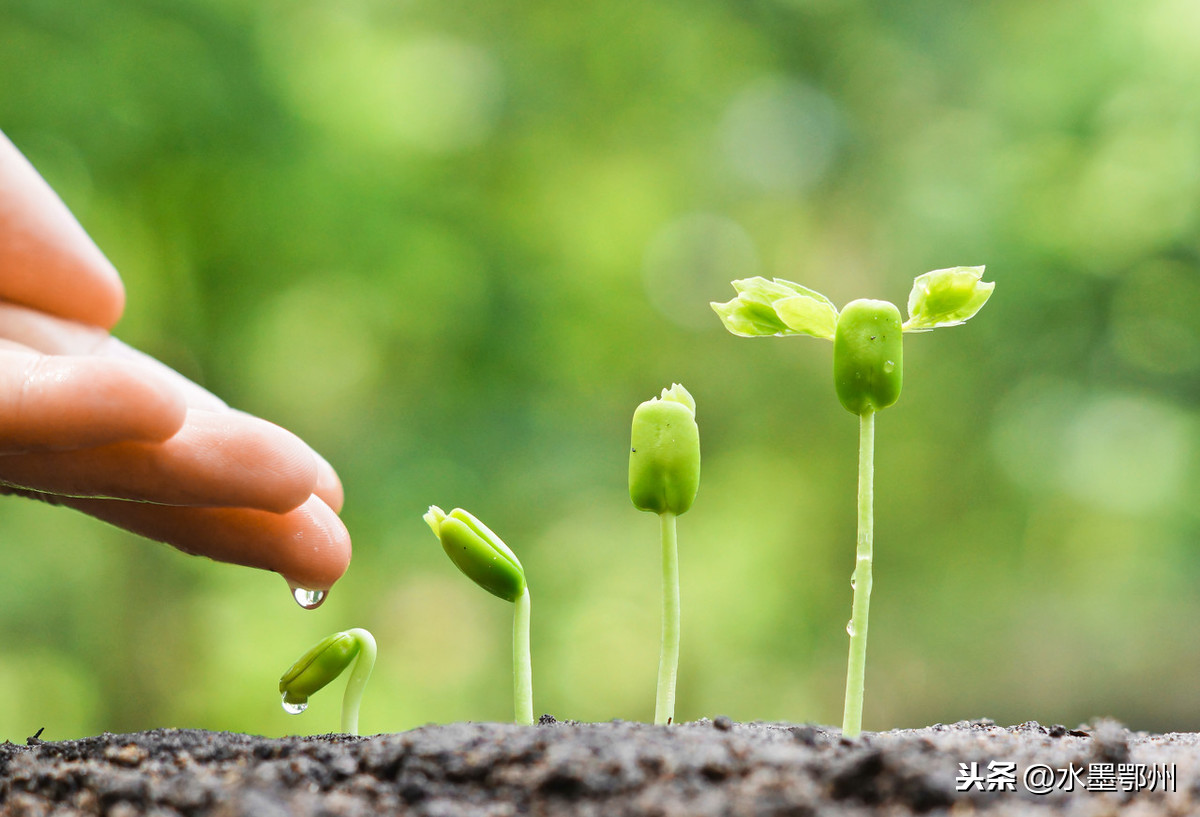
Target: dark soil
{"points": [[703, 768]]}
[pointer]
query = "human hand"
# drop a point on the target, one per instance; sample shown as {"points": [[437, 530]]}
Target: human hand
{"points": [[88, 422]]}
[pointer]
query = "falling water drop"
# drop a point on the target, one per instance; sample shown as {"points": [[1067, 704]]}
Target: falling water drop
{"points": [[293, 708], [309, 599], [851, 630]]}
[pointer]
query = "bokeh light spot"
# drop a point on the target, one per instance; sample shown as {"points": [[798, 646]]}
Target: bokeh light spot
{"points": [[1126, 453], [446, 93], [779, 134], [690, 262], [1119, 452], [1154, 318], [380, 87], [311, 355]]}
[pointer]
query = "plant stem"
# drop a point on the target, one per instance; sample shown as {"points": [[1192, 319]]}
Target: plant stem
{"points": [[668, 659], [522, 661], [861, 579], [364, 662]]}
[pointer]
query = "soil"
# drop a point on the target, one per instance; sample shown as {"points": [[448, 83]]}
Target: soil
{"points": [[707, 767]]}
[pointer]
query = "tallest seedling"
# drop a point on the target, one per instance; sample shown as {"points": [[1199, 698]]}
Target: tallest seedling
{"points": [[868, 367]]}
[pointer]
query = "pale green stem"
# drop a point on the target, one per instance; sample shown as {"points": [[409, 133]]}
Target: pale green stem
{"points": [[364, 662], [522, 662], [668, 659], [861, 579]]}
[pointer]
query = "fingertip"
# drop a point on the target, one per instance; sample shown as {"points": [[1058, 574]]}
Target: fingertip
{"points": [[260, 464], [105, 302], [160, 410], [329, 485], [124, 400], [95, 401], [321, 554], [62, 402]]}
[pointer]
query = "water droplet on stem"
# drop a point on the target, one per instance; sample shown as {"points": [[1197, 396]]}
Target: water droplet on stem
{"points": [[851, 630]]}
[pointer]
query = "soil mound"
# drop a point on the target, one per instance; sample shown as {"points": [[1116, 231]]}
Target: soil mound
{"points": [[707, 767]]}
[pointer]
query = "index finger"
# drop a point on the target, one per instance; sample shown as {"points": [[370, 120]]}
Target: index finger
{"points": [[309, 546]]}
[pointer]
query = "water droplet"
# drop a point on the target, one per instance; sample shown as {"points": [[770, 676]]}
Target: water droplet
{"points": [[889, 366], [854, 581], [851, 630], [309, 599], [293, 708]]}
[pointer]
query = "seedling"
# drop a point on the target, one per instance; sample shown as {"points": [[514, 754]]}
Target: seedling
{"points": [[867, 375], [664, 475], [322, 664], [487, 561]]}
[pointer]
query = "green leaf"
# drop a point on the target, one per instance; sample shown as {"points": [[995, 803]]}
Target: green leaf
{"points": [[946, 297], [765, 308], [805, 315], [749, 316], [478, 552]]}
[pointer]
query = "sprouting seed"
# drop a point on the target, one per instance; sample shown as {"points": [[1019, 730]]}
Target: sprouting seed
{"points": [[326, 661], [486, 560], [664, 476]]}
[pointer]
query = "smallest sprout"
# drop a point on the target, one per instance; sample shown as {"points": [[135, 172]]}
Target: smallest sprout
{"points": [[326, 661]]}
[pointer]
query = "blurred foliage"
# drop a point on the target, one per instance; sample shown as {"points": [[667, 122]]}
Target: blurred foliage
{"points": [[453, 245]]}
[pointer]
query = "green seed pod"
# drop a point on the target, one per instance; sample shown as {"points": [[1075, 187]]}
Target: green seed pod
{"points": [[868, 356], [318, 667], [664, 453], [478, 552]]}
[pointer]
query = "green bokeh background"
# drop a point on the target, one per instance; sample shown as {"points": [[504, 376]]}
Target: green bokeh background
{"points": [[454, 244]]}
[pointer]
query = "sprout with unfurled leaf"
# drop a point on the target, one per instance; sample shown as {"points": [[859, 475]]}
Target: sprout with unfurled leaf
{"points": [[868, 367]]}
